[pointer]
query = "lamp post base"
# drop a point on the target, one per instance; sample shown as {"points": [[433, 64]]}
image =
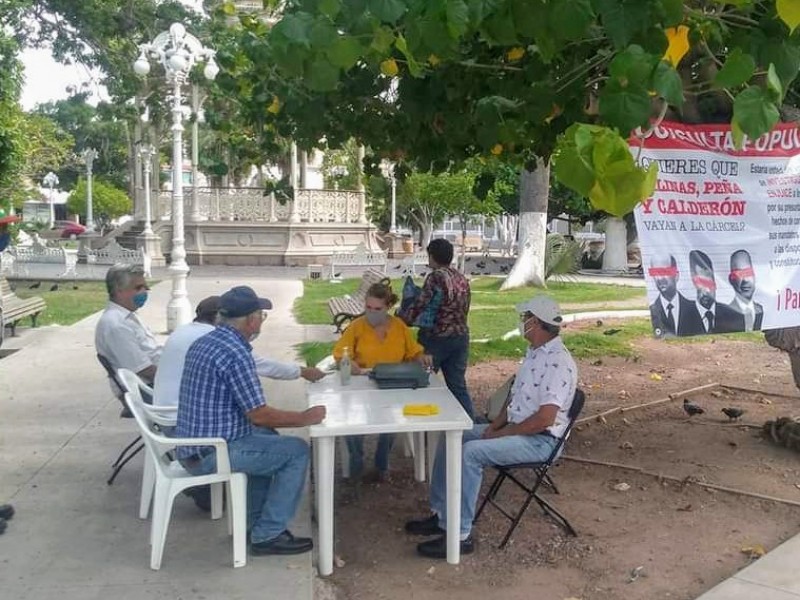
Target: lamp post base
{"points": [[179, 309]]}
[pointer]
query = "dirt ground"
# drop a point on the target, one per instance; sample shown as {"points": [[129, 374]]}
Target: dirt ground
{"points": [[680, 538]]}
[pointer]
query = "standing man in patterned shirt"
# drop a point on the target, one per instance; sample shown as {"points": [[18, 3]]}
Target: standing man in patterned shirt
{"points": [[525, 431], [448, 340], [221, 396]]}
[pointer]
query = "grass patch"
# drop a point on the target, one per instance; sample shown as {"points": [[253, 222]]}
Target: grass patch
{"points": [[66, 305], [497, 318]]}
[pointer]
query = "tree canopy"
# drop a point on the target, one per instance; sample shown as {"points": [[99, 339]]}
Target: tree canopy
{"points": [[434, 82]]}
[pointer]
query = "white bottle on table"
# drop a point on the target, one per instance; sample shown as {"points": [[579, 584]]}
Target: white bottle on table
{"points": [[345, 367]]}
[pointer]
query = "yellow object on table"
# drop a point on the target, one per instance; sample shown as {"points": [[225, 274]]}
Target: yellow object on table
{"points": [[420, 410]]}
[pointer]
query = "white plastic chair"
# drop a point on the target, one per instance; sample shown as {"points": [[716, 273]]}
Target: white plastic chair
{"points": [[171, 479], [163, 416]]}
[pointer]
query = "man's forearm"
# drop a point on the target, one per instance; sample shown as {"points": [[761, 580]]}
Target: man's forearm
{"points": [[266, 416]]}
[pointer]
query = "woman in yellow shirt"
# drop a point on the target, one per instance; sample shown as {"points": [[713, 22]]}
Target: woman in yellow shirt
{"points": [[377, 337]]}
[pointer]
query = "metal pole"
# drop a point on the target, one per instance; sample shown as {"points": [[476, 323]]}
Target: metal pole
{"points": [[89, 155], [147, 153], [194, 215], [179, 310], [393, 228]]}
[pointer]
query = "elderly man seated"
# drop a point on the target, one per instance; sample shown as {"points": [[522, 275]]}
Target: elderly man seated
{"points": [[526, 431], [121, 336], [173, 358], [221, 397]]}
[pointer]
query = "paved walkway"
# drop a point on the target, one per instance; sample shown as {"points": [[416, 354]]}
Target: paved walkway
{"points": [[73, 536]]}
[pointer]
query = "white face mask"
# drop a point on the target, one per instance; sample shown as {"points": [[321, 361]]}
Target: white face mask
{"points": [[523, 330]]}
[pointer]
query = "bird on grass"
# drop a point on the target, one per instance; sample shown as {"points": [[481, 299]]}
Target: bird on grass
{"points": [[691, 409], [74, 287], [54, 287], [398, 266], [337, 275], [33, 286], [467, 259], [611, 331], [733, 413]]}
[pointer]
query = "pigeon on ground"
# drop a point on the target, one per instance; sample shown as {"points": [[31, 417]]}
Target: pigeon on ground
{"points": [[74, 287], [54, 287], [33, 286], [337, 275], [398, 266], [733, 413], [480, 265], [467, 259], [494, 260], [691, 409], [611, 331]]}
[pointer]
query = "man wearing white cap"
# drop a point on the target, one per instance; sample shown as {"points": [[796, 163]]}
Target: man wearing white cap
{"points": [[525, 431]]}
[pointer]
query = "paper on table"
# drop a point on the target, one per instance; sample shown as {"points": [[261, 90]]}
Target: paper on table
{"points": [[420, 410]]}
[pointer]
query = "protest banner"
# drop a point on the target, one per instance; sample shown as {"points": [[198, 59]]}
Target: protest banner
{"points": [[720, 236]]}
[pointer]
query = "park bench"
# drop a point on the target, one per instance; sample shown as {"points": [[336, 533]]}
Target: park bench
{"points": [[411, 262], [14, 309], [114, 254], [358, 257], [346, 308]]}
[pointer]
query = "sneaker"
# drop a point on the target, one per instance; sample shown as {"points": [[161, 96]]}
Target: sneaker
{"points": [[429, 526], [284, 544], [437, 548]]}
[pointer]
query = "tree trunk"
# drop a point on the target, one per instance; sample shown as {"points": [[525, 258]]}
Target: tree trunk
{"points": [[427, 233], [615, 255], [534, 189]]}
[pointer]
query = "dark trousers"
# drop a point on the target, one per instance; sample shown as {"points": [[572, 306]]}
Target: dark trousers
{"points": [[450, 354]]}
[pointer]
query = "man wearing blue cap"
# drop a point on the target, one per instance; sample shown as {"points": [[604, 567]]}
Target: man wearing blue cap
{"points": [[221, 396]]}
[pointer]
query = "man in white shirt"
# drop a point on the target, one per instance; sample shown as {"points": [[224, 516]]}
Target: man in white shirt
{"points": [[526, 431], [743, 281], [170, 367], [121, 336]]}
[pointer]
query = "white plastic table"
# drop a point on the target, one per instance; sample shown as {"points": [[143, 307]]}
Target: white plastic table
{"points": [[362, 409]]}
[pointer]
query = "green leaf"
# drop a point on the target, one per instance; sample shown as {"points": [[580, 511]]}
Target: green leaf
{"points": [[344, 52], [738, 134], [625, 108], [413, 66], [789, 12], [382, 40], [774, 84], [784, 55], [667, 82], [295, 28], [500, 29], [754, 112], [737, 70], [673, 12], [388, 11], [622, 18], [457, 17], [569, 19], [330, 8], [229, 9], [322, 76], [632, 67], [322, 34]]}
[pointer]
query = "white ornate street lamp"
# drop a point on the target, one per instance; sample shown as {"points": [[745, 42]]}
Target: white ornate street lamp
{"points": [[338, 172], [51, 181], [178, 52], [146, 152], [88, 157]]}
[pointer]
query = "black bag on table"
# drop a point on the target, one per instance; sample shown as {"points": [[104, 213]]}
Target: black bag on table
{"points": [[402, 375]]}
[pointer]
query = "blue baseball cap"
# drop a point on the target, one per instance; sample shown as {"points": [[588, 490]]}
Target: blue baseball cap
{"points": [[241, 301]]}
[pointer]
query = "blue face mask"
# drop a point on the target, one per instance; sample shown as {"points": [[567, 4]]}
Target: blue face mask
{"points": [[140, 299]]}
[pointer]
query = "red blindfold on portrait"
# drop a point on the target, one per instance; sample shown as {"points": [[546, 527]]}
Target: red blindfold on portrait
{"points": [[704, 282], [663, 271], [740, 274]]}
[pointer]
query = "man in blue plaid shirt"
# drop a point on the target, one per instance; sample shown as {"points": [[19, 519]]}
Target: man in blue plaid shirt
{"points": [[221, 396]]}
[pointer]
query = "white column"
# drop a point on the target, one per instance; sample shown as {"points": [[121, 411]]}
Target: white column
{"points": [[362, 201], [179, 310], [194, 215], [294, 216], [147, 152], [89, 155], [393, 183]]}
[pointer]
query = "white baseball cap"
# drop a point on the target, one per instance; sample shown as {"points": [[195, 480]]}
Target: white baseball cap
{"points": [[543, 308]]}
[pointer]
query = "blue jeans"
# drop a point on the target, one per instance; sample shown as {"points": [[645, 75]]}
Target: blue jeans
{"points": [[355, 446], [276, 473], [477, 453], [450, 354]]}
